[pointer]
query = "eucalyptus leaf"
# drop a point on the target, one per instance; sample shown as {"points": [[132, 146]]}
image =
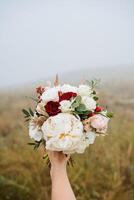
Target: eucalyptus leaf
{"points": [[110, 114], [93, 82], [95, 98], [45, 156], [31, 112], [36, 146], [25, 112], [31, 143], [26, 116], [27, 120], [33, 98], [81, 107], [76, 102], [78, 98], [86, 112]]}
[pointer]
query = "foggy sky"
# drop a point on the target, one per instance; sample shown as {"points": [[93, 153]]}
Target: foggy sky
{"points": [[42, 37]]}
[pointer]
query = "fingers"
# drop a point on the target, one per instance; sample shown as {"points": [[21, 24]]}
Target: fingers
{"points": [[57, 157]]}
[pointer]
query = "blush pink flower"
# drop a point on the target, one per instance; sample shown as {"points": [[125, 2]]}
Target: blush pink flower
{"points": [[99, 122]]}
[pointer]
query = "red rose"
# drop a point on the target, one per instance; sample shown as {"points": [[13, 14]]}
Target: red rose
{"points": [[52, 108], [67, 96], [98, 109], [91, 114]]}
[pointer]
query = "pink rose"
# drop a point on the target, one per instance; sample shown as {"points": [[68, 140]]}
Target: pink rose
{"points": [[99, 122]]}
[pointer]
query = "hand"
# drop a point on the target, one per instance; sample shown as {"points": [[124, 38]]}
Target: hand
{"points": [[58, 161], [61, 188]]}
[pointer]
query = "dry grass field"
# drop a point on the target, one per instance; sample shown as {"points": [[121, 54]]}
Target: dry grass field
{"points": [[104, 172]]}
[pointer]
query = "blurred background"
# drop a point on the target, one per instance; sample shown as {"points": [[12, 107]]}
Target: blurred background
{"points": [[79, 40]]}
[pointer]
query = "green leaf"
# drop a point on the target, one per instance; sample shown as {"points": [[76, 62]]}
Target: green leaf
{"points": [[94, 92], [110, 114], [37, 144], [31, 143], [27, 120], [25, 112], [26, 116], [71, 162], [78, 98], [81, 108], [93, 82], [33, 98], [31, 112], [45, 156], [83, 117], [95, 98], [86, 112], [76, 102]]}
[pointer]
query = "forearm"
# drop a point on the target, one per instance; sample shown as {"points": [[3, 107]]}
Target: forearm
{"points": [[61, 188]]}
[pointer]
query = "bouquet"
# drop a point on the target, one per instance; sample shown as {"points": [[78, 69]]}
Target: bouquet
{"points": [[67, 118]]}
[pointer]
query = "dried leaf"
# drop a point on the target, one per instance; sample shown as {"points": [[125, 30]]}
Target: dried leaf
{"points": [[56, 82]]}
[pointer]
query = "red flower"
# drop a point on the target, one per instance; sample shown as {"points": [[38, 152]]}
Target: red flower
{"points": [[52, 108], [91, 114], [67, 96], [40, 90], [98, 109]]}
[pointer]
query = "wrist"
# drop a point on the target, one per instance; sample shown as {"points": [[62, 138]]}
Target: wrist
{"points": [[58, 171]]}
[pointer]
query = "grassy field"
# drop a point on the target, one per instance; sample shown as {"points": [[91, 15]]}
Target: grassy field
{"points": [[104, 172]]}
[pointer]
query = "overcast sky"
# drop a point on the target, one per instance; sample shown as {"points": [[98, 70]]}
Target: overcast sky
{"points": [[42, 37]]}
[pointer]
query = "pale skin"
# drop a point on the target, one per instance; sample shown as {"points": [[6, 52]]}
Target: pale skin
{"points": [[61, 188]]}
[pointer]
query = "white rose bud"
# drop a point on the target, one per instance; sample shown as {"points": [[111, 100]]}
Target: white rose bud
{"points": [[35, 132], [65, 106], [84, 90], [51, 94], [89, 102], [68, 88]]}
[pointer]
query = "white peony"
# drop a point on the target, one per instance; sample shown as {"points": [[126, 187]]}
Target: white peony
{"points": [[68, 88], [84, 90], [63, 132], [85, 142], [89, 102], [65, 106], [66, 144], [51, 94], [90, 137], [62, 123], [35, 132]]}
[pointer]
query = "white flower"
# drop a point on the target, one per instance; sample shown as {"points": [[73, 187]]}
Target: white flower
{"points": [[41, 109], [66, 144], [63, 132], [68, 88], [51, 94], [90, 137], [62, 123], [84, 90], [35, 132], [85, 142], [65, 106], [89, 102]]}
